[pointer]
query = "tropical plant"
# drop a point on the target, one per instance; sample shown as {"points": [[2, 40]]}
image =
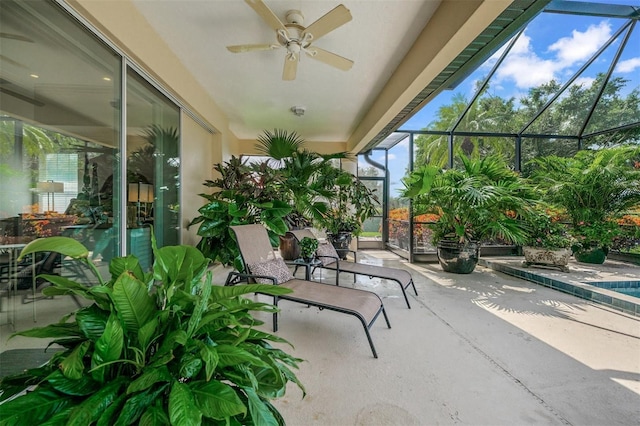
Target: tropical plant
{"points": [[546, 231], [595, 235], [629, 238], [244, 194], [594, 187], [164, 347], [307, 177], [483, 200], [351, 204], [308, 247]]}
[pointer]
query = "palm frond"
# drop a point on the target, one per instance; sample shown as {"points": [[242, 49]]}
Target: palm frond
{"points": [[279, 144]]}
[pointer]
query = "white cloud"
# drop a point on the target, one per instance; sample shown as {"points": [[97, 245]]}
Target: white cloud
{"points": [[404, 142], [391, 157], [526, 69], [581, 45], [629, 65]]}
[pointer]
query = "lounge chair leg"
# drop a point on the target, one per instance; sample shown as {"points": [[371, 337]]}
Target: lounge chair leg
{"points": [[275, 314], [404, 293], [386, 318], [373, 349], [414, 287]]}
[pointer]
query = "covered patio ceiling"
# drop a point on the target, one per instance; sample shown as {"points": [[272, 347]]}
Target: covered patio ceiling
{"points": [[404, 52]]}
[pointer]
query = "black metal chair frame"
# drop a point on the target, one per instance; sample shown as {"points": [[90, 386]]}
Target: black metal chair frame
{"points": [[236, 277]]}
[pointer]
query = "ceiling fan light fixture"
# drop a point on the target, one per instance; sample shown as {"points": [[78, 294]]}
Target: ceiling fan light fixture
{"points": [[298, 110], [296, 38]]}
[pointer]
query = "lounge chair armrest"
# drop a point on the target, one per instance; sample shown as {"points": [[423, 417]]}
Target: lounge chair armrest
{"points": [[235, 277], [336, 258], [329, 257]]}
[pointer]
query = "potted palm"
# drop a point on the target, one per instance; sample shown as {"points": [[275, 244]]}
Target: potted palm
{"points": [[483, 200], [548, 243], [306, 181], [318, 193], [596, 188]]}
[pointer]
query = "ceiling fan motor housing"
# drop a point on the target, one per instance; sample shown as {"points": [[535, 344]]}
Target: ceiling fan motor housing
{"points": [[294, 17]]}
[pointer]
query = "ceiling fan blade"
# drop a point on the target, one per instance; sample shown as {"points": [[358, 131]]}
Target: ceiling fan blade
{"points": [[266, 14], [15, 37], [329, 58], [290, 68], [12, 62], [241, 48], [336, 17]]}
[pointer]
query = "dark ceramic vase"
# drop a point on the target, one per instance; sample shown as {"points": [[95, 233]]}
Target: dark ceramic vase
{"points": [[458, 258], [340, 242], [595, 255]]}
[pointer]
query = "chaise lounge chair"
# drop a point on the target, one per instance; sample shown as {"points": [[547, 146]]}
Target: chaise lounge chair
{"points": [[263, 266], [330, 260]]}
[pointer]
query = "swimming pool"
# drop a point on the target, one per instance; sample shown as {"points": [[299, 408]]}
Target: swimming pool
{"points": [[631, 288], [601, 292]]}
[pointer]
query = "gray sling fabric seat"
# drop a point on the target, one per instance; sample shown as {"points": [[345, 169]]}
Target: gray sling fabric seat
{"points": [[255, 249], [334, 263]]}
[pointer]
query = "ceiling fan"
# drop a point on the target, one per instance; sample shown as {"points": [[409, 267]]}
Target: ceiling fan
{"points": [[296, 38]]}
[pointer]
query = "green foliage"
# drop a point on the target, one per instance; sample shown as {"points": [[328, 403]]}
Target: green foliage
{"points": [[351, 204], [616, 107], [483, 200], [153, 348], [318, 192], [547, 232], [308, 247], [245, 194], [305, 188], [594, 187], [279, 144], [590, 235]]}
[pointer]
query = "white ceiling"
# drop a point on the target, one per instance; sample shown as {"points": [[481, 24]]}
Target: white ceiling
{"points": [[249, 86]]}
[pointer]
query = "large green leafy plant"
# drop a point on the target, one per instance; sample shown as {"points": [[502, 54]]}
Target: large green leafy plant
{"points": [[243, 194], [351, 204], [482, 200], [163, 347], [308, 178], [594, 187]]}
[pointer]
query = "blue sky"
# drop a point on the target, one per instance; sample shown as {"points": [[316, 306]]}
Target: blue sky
{"points": [[553, 46]]}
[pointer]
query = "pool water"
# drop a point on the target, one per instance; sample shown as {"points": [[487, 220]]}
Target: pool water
{"points": [[631, 288]]}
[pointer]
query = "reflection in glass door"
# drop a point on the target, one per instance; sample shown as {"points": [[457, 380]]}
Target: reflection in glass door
{"points": [[152, 168], [59, 135]]}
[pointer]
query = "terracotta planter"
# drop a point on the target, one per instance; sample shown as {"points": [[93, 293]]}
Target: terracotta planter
{"points": [[289, 247], [539, 256], [456, 257]]}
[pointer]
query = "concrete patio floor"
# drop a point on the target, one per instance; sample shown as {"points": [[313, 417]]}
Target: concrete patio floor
{"points": [[478, 349]]}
